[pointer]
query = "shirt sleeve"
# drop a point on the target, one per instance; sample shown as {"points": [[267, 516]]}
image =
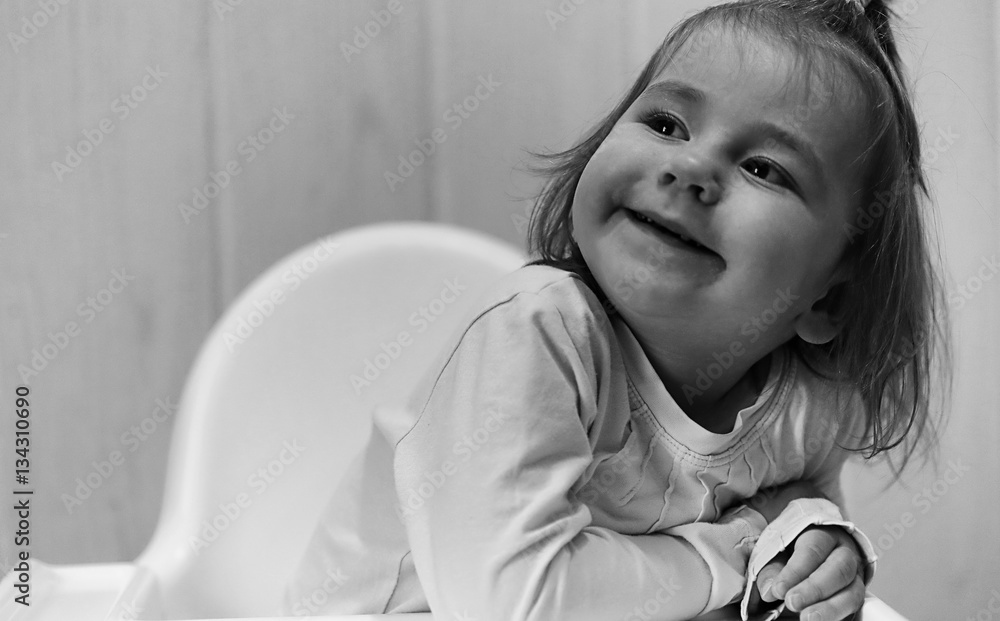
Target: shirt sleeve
{"points": [[487, 480]]}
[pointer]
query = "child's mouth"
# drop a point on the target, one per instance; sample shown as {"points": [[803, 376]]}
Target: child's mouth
{"points": [[694, 245]]}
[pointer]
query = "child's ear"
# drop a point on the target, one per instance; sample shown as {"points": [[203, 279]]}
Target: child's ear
{"points": [[822, 322]]}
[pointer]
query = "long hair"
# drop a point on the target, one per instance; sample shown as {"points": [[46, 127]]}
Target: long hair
{"points": [[893, 334]]}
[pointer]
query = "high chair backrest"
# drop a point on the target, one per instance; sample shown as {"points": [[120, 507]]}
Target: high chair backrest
{"points": [[278, 402]]}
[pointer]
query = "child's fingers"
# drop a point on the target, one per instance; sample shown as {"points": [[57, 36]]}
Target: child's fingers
{"points": [[811, 548], [841, 606], [840, 569], [767, 575]]}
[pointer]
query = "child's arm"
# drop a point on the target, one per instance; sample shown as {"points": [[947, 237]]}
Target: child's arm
{"points": [[487, 478]]}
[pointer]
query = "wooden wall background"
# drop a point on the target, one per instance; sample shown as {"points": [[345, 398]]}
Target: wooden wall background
{"points": [[222, 75]]}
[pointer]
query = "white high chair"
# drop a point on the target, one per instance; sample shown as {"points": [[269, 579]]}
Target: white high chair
{"points": [[274, 409]]}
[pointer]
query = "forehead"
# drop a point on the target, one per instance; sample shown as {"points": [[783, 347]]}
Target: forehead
{"points": [[774, 71]]}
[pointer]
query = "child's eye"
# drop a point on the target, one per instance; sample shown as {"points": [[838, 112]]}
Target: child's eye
{"points": [[665, 125], [768, 171]]}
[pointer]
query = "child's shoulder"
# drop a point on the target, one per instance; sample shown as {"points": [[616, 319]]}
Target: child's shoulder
{"points": [[535, 278], [831, 407], [544, 289], [528, 312], [543, 304]]}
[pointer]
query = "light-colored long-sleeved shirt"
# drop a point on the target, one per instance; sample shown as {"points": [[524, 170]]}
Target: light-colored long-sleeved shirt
{"points": [[546, 473]]}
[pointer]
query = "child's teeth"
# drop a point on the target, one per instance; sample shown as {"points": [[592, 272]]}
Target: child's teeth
{"points": [[683, 238]]}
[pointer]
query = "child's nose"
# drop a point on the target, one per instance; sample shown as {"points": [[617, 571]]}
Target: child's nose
{"points": [[692, 173]]}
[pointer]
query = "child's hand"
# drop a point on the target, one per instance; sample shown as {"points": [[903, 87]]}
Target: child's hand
{"points": [[822, 579]]}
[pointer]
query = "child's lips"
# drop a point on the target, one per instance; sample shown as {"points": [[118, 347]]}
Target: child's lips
{"points": [[672, 232]]}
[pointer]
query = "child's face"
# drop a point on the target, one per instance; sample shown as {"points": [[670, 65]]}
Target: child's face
{"points": [[730, 147]]}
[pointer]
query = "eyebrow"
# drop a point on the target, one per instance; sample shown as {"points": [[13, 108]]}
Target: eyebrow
{"points": [[792, 141], [668, 88]]}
